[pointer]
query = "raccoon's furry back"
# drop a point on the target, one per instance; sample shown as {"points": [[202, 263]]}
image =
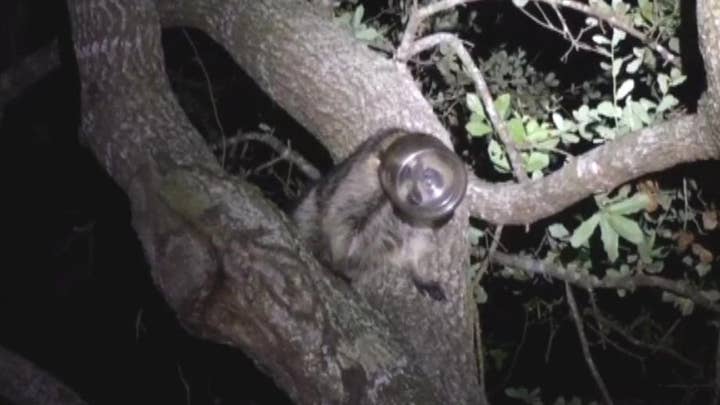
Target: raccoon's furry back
{"points": [[350, 224]]}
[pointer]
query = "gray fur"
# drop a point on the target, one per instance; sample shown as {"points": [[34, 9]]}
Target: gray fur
{"points": [[351, 225]]}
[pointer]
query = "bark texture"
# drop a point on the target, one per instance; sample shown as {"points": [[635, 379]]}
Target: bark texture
{"points": [[22, 382], [227, 260], [343, 92]]}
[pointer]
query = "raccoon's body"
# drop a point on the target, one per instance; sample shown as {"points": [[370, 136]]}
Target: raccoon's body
{"points": [[352, 224]]}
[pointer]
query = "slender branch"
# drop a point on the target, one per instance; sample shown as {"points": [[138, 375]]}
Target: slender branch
{"points": [[617, 22], [574, 40], [481, 87], [411, 30], [285, 151], [608, 341], [577, 319], [586, 281], [28, 71], [211, 95], [516, 354], [477, 325], [614, 327]]}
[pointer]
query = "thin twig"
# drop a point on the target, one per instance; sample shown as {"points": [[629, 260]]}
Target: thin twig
{"points": [[516, 354], [211, 95], [596, 314], [639, 357], [585, 346], [482, 89], [477, 327], [574, 40], [653, 348], [586, 281], [617, 22], [284, 151]]}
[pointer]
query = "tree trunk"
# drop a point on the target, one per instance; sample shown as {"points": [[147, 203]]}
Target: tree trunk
{"points": [[229, 262]]}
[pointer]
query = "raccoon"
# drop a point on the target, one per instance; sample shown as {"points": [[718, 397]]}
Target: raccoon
{"points": [[382, 205]]}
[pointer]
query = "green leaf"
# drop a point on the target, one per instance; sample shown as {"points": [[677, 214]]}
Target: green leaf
{"points": [[702, 269], [367, 34], [617, 66], [667, 102], [631, 205], [610, 239], [537, 161], [676, 77], [626, 227], [478, 128], [582, 114], [517, 130], [712, 295], [617, 36], [497, 156], [569, 138], [558, 231], [481, 296], [474, 235], [536, 132], [625, 88], [646, 9], [633, 66], [600, 40], [473, 103], [502, 105], [664, 83], [357, 17], [583, 232], [607, 109]]}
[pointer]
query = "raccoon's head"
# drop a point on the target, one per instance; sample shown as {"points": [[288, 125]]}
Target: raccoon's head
{"points": [[424, 180]]}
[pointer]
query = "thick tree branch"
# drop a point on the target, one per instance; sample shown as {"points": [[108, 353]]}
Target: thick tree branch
{"points": [[649, 150], [316, 55], [708, 21], [22, 382], [343, 93], [226, 261]]}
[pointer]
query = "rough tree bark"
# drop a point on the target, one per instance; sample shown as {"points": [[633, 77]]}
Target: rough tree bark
{"points": [[230, 264], [227, 261]]}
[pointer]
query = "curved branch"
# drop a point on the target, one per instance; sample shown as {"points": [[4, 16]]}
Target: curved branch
{"points": [[314, 52], [228, 262], [344, 93], [649, 150], [28, 71], [22, 382]]}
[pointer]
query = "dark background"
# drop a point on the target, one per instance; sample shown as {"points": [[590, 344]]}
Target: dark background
{"points": [[75, 293]]}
